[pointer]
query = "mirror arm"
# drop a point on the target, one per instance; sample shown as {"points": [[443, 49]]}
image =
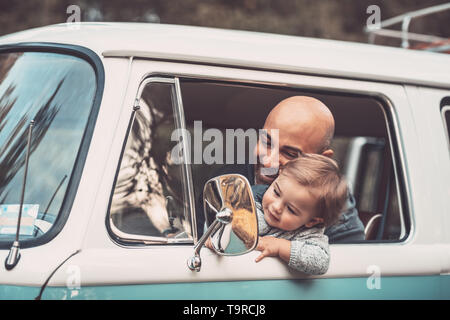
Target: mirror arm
{"points": [[195, 262], [223, 217], [205, 236]]}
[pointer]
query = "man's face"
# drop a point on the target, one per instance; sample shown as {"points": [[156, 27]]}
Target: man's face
{"points": [[285, 138], [273, 151], [295, 126]]}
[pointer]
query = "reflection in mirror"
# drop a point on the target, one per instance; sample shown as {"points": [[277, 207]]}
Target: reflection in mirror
{"points": [[241, 235], [214, 202]]}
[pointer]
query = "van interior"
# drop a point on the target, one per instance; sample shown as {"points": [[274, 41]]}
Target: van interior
{"points": [[362, 144]]}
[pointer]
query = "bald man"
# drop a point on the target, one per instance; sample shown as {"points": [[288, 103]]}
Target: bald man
{"points": [[304, 125]]}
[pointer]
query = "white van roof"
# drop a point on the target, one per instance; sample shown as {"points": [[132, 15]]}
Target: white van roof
{"points": [[249, 50]]}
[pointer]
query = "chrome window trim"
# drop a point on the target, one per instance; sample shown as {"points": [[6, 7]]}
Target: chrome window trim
{"points": [[444, 120], [186, 166], [148, 80], [129, 239], [396, 173]]}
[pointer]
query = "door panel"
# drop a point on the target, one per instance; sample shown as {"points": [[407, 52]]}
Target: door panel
{"points": [[408, 269]]}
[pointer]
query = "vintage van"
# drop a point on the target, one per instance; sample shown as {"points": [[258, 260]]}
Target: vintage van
{"points": [[87, 115]]}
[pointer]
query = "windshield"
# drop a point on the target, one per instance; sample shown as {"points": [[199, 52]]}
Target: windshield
{"points": [[57, 92]]}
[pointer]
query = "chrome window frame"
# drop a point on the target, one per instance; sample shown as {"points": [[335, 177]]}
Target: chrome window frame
{"points": [[444, 110], [407, 228], [188, 192]]}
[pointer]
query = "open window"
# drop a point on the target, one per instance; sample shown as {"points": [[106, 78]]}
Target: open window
{"points": [[154, 197], [363, 144]]}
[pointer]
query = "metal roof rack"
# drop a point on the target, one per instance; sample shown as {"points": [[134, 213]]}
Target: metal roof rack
{"points": [[433, 43]]}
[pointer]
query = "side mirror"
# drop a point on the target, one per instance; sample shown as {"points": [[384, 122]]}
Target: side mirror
{"points": [[234, 231]]}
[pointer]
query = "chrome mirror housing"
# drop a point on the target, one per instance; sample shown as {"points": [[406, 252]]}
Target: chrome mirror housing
{"points": [[228, 201]]}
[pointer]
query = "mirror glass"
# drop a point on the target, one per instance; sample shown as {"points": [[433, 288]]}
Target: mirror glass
{"points": [[231, 191]]}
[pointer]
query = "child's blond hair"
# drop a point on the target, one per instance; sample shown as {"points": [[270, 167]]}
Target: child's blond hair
{"points": [[328, 185]]}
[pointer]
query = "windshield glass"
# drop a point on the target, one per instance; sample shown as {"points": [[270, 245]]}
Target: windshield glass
{"points": [[57, 92]]}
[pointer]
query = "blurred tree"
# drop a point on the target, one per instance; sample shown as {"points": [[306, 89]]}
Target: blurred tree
{"points": [[341, 20]]}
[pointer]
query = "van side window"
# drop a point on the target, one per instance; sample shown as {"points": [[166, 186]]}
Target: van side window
{"points": [[149, 202], [364, 145]]}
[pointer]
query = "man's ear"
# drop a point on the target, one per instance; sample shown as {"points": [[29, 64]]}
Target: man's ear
{"points": [[328, 153], [313, 222]]}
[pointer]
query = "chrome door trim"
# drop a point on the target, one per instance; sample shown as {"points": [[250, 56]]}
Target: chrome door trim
{"points": [[186, 155], [443, 111]]}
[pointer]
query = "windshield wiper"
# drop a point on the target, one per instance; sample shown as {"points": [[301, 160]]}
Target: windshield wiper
{"points": [[14, 255]]}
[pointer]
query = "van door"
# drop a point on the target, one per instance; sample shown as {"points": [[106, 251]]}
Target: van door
{"points": [[144, 226], [429, 107]]}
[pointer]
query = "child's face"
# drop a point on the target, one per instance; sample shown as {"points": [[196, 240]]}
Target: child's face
{"points": [[288, 205]]}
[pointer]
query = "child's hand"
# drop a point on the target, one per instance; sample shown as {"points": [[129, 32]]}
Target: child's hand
{"points": [[270, 247], [273, 247]]}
